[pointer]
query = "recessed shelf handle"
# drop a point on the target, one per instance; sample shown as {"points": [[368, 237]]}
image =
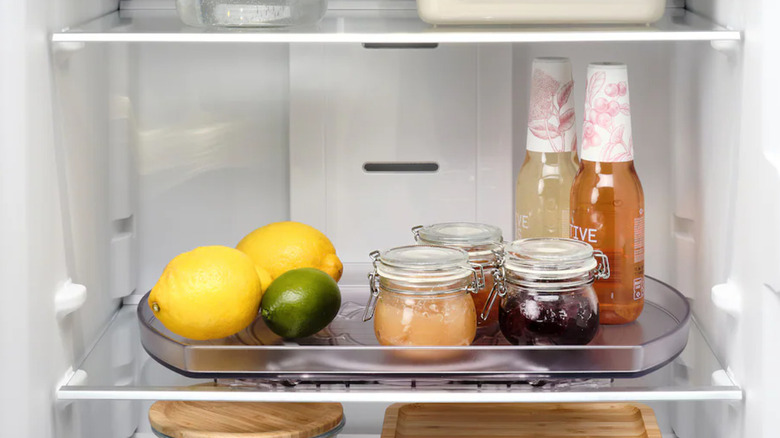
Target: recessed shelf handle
{"points": [[401, 167], [400, 45]]}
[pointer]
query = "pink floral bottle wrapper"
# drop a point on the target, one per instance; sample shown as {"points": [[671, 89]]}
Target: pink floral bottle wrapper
{"points": [[551, 126], [606, 132]]}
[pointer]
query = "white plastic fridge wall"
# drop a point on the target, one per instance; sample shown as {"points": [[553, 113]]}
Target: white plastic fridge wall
{"points": [[37, 347], [212, 141], [207, 142], [197, 153], [735, 249]]}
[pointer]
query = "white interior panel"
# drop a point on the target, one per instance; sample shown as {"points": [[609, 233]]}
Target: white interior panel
{"points": [[387, 106], [116, 158], [212, 146], [82, 154], [736, 116], [37, 243], [184, 145]]}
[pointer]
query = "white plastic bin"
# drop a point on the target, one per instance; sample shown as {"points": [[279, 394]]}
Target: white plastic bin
{"points": [[540, 11]]}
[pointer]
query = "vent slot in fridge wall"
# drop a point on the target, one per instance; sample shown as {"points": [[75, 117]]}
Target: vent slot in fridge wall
{"points": [[396, 167]]}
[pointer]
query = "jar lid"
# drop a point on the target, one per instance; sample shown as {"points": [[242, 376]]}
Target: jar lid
{"points": [[549, 257], [466, 235], [423, 263]]}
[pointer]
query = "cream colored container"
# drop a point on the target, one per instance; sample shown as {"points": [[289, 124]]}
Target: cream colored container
{"points": [[540, 11]]}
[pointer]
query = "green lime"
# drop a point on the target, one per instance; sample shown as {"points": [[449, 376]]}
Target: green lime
{"points": [[300, 303]]}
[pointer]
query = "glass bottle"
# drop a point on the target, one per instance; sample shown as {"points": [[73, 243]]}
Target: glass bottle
{"points": [[607, 202], [544, 181]]}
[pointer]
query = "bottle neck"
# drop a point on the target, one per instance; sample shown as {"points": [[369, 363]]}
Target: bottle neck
{"points": [[606, 167], [550, 157]]}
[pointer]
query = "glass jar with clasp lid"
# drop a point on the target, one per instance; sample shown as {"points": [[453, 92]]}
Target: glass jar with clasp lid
{"points": [[548, 296], [484, 245], [421, 295]]}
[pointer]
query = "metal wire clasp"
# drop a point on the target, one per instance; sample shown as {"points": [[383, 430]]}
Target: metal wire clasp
{"points": [[498, 289], [479, 278], [373, 284], [602, 271], [416, 231]]}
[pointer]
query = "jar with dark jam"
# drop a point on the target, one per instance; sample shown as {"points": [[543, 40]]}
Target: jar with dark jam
{"points": [[548, 296]]}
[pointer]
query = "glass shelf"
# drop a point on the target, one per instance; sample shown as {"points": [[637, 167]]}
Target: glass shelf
{"points": [[386, 26], [116, 370]]}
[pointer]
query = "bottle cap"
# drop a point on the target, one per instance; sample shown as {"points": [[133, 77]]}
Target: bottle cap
{"points": [[606, 131], [551, 126]]}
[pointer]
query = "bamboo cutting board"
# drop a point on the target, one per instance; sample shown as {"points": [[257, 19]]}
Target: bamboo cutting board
{"points": [[520, 420], [182, 419]]}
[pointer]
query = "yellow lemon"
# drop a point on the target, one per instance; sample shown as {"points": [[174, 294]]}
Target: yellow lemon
{"points": [[208, 293], [283, 246], [265, 277]]}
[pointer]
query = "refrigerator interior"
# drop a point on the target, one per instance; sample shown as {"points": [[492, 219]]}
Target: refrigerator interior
{"points": [[118, 156]]}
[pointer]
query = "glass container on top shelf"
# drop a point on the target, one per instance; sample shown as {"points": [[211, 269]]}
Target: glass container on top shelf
{"points": [[251, 13]]}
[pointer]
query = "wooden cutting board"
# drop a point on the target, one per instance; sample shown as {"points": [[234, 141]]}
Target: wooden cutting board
{"points": [[520, 420], [183, 419]]}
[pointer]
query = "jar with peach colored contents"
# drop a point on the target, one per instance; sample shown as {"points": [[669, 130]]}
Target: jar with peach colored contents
{"points": [[421, 295], [484, 245]]}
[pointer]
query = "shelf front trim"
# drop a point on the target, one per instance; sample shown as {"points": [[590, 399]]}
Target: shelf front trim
{"points": [[448, 37], [400, 396], [385, 26]]}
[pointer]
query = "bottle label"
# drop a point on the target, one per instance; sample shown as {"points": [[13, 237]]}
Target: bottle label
{"points": [[626, 264], [551, 112], [587, 235], [639, 256], [521, 224], [639, 238], [606, 131], [639, 288]]}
